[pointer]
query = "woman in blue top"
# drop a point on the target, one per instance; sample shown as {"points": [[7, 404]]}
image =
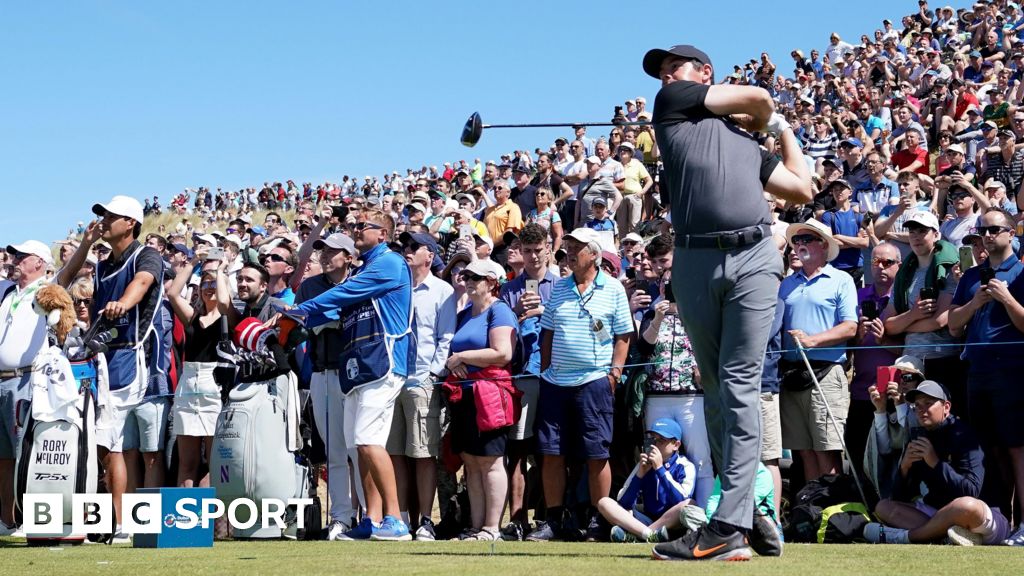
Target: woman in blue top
{"points": [[485, 336]]}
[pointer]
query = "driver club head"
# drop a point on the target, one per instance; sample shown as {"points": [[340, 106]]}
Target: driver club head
{"points": [[472, 130]]}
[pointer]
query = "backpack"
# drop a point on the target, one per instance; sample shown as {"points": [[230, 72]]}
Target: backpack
{"points": [[254, 448], [843, 524], [807, 515]]}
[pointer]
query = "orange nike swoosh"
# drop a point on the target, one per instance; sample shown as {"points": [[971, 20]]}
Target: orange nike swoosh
{"points": [[698, 553]]}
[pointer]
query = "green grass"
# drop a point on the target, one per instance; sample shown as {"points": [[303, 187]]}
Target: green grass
{"points": [[506, 558]]}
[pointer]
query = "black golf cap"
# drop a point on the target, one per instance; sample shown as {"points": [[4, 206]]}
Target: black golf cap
{"points": [[654, 57]]}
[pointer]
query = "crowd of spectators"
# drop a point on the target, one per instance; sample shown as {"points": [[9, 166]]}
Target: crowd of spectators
{"points": [[549, 273]]}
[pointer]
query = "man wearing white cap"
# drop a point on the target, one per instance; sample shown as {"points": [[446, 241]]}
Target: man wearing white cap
{"points": [[22, 337], [821, 314], [128, 292]]}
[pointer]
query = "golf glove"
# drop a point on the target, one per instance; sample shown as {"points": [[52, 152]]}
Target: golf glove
{"points": [[776, 124]]}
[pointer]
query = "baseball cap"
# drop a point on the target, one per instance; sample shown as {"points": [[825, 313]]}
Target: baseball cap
{"points": [[1007, 132], [955, 148], [584, 235], [467, 197], [855, 142], [654, 58], [632, 237], [481, 268], [975, 54], [927, 388], [666, 428], [923, 218], [208, 238], [417, 206], [338, 241], [614, 260], [34, 247], [593, 160], [600, 200], [908, 363], [988, 125], [121, 206], [257, 230], [434, 192], [839, 182], [181, 248], [485, 239], [628, 146], [509, 237], [834, 162], [234, 239], [421, 238]]}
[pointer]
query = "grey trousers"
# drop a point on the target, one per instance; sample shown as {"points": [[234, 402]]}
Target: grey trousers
{"points": [[727, 302]]}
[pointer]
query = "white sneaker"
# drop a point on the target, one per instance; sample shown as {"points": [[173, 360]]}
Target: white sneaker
{"points": [[120, 537], [1017, 538], [336, 528], [961, 536], [6, 530]]}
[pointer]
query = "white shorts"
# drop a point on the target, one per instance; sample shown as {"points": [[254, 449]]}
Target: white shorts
{"points": [[110, 423], [369, 410], [196, 400]]}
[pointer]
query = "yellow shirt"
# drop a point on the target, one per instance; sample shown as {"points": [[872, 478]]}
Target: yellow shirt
{"points": [[636, 175], [645, 143], [502, 218]]}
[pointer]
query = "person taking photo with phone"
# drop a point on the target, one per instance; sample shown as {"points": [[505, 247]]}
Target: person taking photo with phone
{"points": [[921, 295]]}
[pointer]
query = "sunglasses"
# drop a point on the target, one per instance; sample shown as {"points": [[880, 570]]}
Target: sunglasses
{"points": [[466, 276], [958, 195], [908, 377], [885, 262], [360, 226], [83, 301], [990, 230], [206, 285], [806, 239], [273, 258]]}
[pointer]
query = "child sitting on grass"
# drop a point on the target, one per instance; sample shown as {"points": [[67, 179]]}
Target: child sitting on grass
{"points": [[663, 479]]}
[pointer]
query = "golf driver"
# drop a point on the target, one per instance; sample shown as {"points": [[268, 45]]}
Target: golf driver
{"points": [[832, 419], [474, 127]]}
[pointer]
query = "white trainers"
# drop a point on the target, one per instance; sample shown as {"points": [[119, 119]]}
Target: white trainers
{"points": [[961, 536], [1017, 538], [336, 528]]}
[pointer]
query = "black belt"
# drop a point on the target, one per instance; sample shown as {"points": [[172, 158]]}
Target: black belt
{"points": [[725, 240], [16, 373]]}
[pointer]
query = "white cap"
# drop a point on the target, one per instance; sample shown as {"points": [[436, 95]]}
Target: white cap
{"points": [[208, 238], [121, 206], [584, 235], [234, 239], [34, 247], [593, 159], [482, 268], [485, 239], [632, 237], [923, 218]]}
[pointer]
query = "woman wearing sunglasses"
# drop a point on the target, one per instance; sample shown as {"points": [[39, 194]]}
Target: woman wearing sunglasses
{"points": [[481, 348], [197, 400]]}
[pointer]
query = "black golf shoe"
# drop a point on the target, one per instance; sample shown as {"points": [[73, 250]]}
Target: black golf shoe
{"points": [[764, 536], [545, 532], [704, 544]]}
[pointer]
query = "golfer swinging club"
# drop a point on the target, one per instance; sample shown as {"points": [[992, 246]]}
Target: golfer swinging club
{"points": [[716, 175]]}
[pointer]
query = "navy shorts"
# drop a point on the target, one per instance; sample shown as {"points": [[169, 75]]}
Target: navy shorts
{"points": [[995, 402], [575, 420]]}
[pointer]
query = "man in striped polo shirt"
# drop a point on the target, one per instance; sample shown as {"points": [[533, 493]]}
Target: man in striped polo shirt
{"points": [[586, 332]]}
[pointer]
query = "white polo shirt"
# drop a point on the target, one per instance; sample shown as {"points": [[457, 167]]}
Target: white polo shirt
{"points": [[22, 331]]}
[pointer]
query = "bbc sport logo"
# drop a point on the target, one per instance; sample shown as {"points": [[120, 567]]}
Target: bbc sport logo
{"points": [[142, 513]]}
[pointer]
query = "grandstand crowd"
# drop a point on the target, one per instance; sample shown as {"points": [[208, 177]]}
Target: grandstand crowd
{"points": [[544, 279]]}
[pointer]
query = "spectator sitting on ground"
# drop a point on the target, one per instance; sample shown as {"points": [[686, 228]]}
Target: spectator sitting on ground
{"points": [[945, 463], [662, 479]]}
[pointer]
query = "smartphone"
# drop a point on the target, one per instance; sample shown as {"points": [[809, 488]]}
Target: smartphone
{"points": [[966, 258], [340, 212], [631, 273], [465, 231], [928, 293], [883, 376], [869, 309], [215, 253], [669, 294], [986, 274], [532, 286]]}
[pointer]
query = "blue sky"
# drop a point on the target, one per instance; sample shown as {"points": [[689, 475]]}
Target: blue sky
{"points": [[145, 98]]}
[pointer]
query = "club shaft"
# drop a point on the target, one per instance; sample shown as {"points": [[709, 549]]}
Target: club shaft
{"points": [[566, 124]]}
